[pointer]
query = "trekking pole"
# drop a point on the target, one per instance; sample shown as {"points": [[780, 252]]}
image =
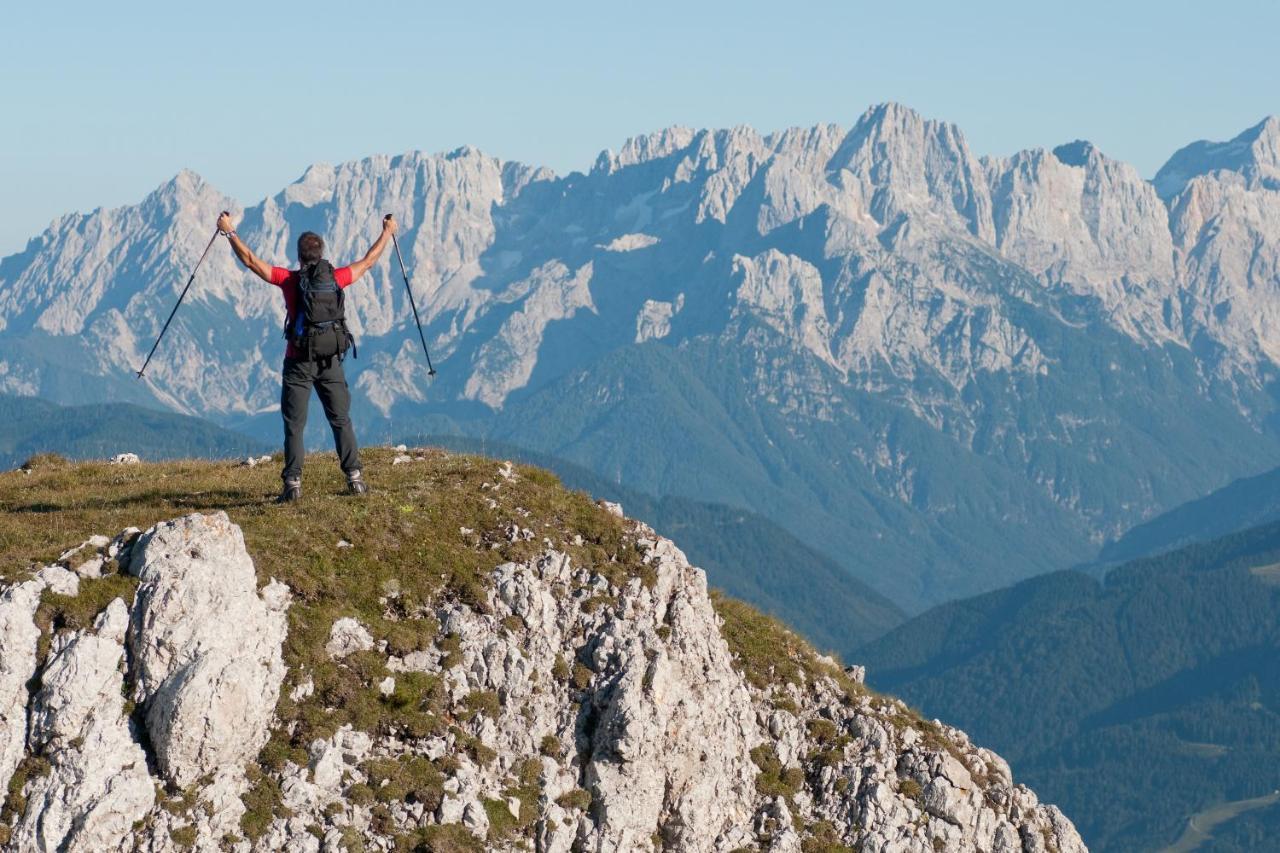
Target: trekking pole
{"points": [[431, 371], [180, 298]]}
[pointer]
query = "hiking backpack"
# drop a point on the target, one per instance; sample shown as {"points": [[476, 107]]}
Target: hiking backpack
{"points": [[318, 328]]}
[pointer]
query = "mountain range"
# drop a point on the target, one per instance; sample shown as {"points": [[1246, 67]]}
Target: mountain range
{"points": [[945, 371]]}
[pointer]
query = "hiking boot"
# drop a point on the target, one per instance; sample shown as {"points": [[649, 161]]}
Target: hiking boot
{"points": [[291, 492], [356, 484]]}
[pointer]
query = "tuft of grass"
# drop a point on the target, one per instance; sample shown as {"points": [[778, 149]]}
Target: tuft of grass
{"points": [[774, 780], [262, 804], [408, 778], [448, 838], [823, 838], [15, 803], [59, 613], [184, 837], [483, 702], [578, 798]]}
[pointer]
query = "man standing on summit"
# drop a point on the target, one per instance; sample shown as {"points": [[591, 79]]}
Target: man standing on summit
{"points": [[316, 329]]}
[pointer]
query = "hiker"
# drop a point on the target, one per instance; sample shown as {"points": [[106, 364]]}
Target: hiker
{"points": [[316, 329]]}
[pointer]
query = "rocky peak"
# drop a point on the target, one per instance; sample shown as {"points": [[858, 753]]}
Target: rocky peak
{"points": [[896, 162], [642, 149], [1254, 153], [574, 697], [1081, 221]]}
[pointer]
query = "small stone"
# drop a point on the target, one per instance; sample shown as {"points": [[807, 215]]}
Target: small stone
{"points": [[400, 448], [387, 687], [59, 580], [476, 819], [402, 459], [612, 508], [342, 543], [346, 637], [125, 459]]}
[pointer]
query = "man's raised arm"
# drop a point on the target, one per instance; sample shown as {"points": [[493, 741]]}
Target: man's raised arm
{"points": [[255, 265], [370, 258]]}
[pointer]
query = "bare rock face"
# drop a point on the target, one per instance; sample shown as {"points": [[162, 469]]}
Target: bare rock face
{"points": [[19, 638], [97, 786], [206, 646], [662, 737]]}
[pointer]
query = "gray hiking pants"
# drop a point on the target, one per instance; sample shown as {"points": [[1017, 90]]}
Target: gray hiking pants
{"points": [[330, 382]]}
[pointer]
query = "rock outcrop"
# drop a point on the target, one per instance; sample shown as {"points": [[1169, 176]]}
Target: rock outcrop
{"points": [[590, 708], [97, 785], [205, 646]]}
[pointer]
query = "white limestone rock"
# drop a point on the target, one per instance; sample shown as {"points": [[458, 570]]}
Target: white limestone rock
{"points": [[209, 692], [348, 636], [98, 785], [19, 638]]}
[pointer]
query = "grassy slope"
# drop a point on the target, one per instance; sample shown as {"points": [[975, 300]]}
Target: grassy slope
{"points": [[407, 537]]}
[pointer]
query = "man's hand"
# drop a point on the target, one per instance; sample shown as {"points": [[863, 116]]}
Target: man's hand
{"points": [[362, 266], [252, 262]]}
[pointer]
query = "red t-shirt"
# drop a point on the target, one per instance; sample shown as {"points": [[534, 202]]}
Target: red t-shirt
{"points": [[287, 281]]}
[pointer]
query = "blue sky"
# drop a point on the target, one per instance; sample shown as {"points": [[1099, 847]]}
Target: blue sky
{"points": [[104, 101]]}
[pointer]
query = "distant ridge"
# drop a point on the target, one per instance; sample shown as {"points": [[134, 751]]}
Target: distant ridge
{"points": [[1135, 703], [98, 431]]}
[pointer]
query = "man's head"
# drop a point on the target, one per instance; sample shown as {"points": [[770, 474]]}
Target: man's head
{"points": [[310, 248]]}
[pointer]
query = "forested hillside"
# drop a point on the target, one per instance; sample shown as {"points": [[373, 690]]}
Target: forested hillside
{"points": [[1135, 703], [29, 426], [1247, 502]]}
